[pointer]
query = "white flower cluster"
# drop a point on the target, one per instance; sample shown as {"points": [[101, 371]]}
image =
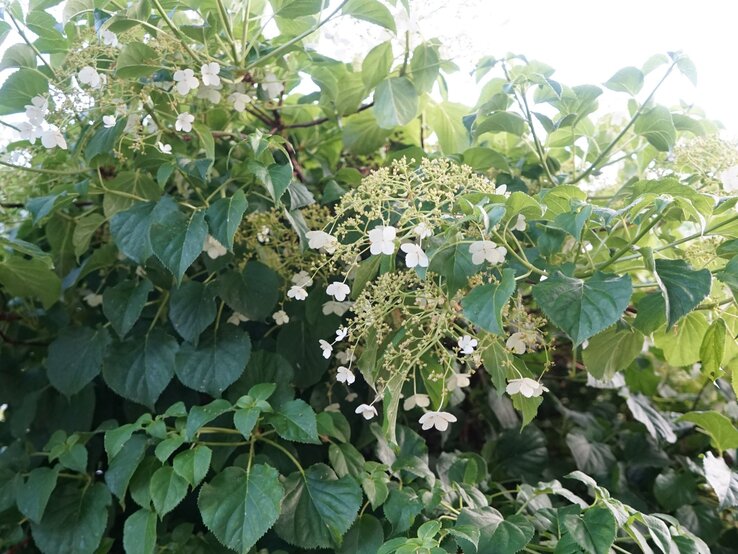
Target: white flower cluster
{"points": [[36, 126]]}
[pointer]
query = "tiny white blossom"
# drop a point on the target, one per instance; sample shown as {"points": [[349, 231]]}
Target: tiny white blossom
{"points": [[149, 124], [439, 420], [414, 255], [52, 137], [337, 308], [326, 347], [211, 94], [185, 81], [36, 111], [263, 235], [320, 240], [298, 293], [346, 357], [302, 279], [345, 375], [516, 343], [467, 344], [338, 290], [458, 381], [272, 85], [417, 399], [335, 407], [108, 121], [213, 247], [519, 223], [729, 178], [341, 333], [140, 271], [482, 250], [184, 122], [88, 75], [236, 318], [367, 412], [210, 76], [93, 300], [422, 230], [164, 148], [280, 317], [239, 101], [109, 38], [382, 239], [350, 397], [526, 386], [28, 131]]}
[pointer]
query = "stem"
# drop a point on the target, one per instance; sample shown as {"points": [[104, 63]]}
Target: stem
{"points": [[175, 29], [33, 46], [229, 32], [286, 453], [44, 171], [620, 253]]}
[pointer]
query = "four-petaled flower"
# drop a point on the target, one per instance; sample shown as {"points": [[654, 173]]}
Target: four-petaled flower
{"points": [[184, 122], [417, 399], [467, 344], [414, 255], [326, 347], [526, 386], [93, 300], [366, 411], [516, 343], [108, 121], [164, 148], [320, 240], [422, 230], [36, 111], [729, 178], [185, 81], [457, 381], [89, 76], [482, 250], [210, 74], [337, 308], [211, 94], [236, 318], [519, 223], [272, 85], [280, 317], [28, 131], [302, 279], [341, 333], [109, 38], [382, 239], [52, 137], [345, 375], [213, 247], [338, 290], [439, 420], [298, 293], [239, 101]]}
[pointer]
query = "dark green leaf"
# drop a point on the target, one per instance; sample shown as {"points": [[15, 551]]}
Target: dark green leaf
{"points": [[224, 216], [76, 357], [131, 231], [595, 531], [683, 287], [33, 495], [364, 537], [124, 302], [511, 535], [167, 490], [136, 60], [139, 533], [295, 421], [192, 309]]}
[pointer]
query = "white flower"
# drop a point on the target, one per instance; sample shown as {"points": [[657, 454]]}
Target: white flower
{"points": [[482, 250], [210, 74], [326, 347], [302, 279], [211, 94], [164, 148], [36, 111], [109, 38], [366, 411], [149, 124], [108, 121], [53, 137], [213, 247], [467, 344], [341, 333], [519, 223], [337, 308], [239, 101], [89, 76], [350, 397], [3, 408], [420, 400], [320, 240], [263, 235], [502, 189], [422, 230], [28, 131], [236, 318], [185, 81], [280, 317], [93, 300], [526, 386], [346, 357], [338, 290], [345, 375], [458, 381], [516, 343], [298, 293], [272, 85], [729, 178], [184, 122], [439, 420], [414, 255], [335, 407], [382, 239]]}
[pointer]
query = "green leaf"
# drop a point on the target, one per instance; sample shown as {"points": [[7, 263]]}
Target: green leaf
{"points": [[583, 308], [104, 141], [216, 362], [628, 79], [673, 490], [611, 351], [346, 460], [365, 537], [253, 293], [485, 520], [192, 309], [140, 369], [279, 178], [395, 102], [484, 304], [30, 277], [177, 239], [139, 533], [167, 490], [722, 479], [18, 55], [723, 433], [593, 458], [424, 67], [712, 348], [377, 64], [123, 464], [595, 531], [75, 358], [362, 135], [502, 122], [239, 506], [136, 60], [295, 421], [318, 508], [681, 345], [446, 120], [656, 424], [454, 264], [372, 11], [19, 88], [683, 287], [657, 127], [84, 231], [224, 216], [124, 302], [74, 520], [33, 495], [131, 231], [511, 535], [687, 68], [193, 464], [200, 415], [292, 9]]}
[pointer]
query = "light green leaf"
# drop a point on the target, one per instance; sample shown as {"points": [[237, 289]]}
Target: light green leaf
{"points": [[424, 67], [362, 135], [657, 127], [446, 120], [595, 531], [75, 358], [723, 433], [291, 9], [712, 348], [377, 64], [628, 79], [19, 88], [193, 464], [124, 302], [683, 287], [395, 102], [224, 216], [681, 345], [18, 55], [139, 533], [511, 535], [84, 230], [612, 350], [192, 309], [502, 122], [167, 490], [484, 304], [239, 506], [30, 277], [295, 421], [372, 11], [135, 60], [583, 308]]}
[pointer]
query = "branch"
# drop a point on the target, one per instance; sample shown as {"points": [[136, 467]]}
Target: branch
{"points": [[322, 120]]}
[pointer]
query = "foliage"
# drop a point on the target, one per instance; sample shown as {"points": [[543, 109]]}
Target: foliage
{"points": [[258, 299]]}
